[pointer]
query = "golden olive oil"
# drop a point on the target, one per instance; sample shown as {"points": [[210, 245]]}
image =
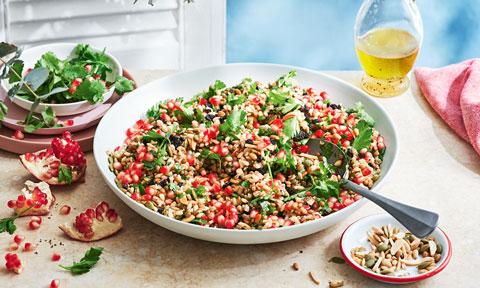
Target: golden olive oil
{"points": [[387, 53]]}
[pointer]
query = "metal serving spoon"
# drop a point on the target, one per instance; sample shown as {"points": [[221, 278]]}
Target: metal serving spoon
{"points": [[418, 221]]}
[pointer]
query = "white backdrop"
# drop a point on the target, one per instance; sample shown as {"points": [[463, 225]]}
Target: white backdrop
{"points": [[170, 35]]}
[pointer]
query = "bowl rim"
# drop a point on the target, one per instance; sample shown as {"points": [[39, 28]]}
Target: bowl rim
{"points": [[114, 60], [149, 212], [395, 279]]}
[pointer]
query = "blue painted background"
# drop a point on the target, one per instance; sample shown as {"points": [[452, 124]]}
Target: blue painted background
{"points": [[318, 34]]}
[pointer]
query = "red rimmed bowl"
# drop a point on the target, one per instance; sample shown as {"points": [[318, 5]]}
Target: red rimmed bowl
{"points": [[355, 236]]}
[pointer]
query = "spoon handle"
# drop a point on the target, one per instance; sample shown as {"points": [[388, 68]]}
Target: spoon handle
{"points": [[418, 221]]}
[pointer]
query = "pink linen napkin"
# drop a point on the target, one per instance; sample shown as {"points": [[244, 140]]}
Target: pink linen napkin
{"points": [[454, 92]]}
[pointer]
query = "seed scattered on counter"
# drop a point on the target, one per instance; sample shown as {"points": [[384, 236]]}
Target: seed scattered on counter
{"points": [[14, 263], [295, 266], [56, 257], [314, 277], [393, 250], [55, 283], [13, 246], [30, 247], [334, 284], [18, 239], [65, 210]]}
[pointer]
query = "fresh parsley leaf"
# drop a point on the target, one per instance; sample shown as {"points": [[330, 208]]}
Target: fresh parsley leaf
{"points": [[364, 115], [212, 90], [123, 85], [291, 128], [245, 184], [200, 190], [86, 263], [287, 80], [74, 71], [234, 99], [91, 91], [140, 187], [278, 96], [291, 106], [64, 175], [207, 154], [50, 61], [7, 224], [198, 220], [235, 120], [148, 165], [364, 138], [381, 153], [173, 187], [266, 207]]}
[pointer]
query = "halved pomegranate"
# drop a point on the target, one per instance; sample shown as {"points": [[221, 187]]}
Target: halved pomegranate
{"points": [[34, 193], [93, 224], [45, 164]]}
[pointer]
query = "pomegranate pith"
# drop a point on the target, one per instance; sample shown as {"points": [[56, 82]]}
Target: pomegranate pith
{"points": [[45, 164], [33, 193], [93, 224]]}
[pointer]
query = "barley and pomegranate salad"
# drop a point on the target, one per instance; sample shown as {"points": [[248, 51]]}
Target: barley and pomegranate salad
{"points": [[236, 157]]}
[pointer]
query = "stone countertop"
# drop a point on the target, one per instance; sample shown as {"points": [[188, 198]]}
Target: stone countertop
{"points": [[435, 169]]}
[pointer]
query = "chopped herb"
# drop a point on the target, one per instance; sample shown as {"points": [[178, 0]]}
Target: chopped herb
{"points": [[245, 184], [291, 128], [364, 138], [200, 190], [198, 220], [172, 186], [64, 175], [86, 263], [7, 224]]}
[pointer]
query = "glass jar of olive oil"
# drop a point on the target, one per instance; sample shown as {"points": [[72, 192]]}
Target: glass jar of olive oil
{"points": [[388, 35]]}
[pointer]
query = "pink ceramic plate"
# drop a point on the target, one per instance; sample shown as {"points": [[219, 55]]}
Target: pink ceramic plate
{"points": [[80, 121]]}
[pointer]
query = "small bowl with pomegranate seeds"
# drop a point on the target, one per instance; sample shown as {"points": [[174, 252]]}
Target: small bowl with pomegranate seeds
{"points": [[234, 157], [380, 247]]}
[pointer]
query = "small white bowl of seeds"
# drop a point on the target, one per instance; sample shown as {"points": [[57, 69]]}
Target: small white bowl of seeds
{"points": [[379, 247]]}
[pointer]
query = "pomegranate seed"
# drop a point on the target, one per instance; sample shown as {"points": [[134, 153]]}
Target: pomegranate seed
{"points": [[34, 225], [55, 283], [30, 202], [30, 247], [229, 224], [56, 257], [113, 217], [21, 198], [11, 203], [150, 190], [13, 246], [164, 170], [117, 166], [72, 89], [228, 190], [190, 160], [147, 197], [36, 219], [224, 151], [149, 157], [304, 149], [18, 135], [18, 239], [68, 123], [88, 67], [65, 210], [88, 234], [135, 195], [20, 204], [90, 213], [256, 125]]}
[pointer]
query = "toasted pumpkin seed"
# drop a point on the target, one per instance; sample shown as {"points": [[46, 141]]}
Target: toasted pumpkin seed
{"points": [[149, 205], [382, 247], [369, 257], [369, 263], [439, 249], [423, 248], [424, 265]]}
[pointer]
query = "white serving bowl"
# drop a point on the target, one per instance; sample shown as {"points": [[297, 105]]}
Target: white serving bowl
{"points": [[355, 236], [63, 51], [111, 133]]}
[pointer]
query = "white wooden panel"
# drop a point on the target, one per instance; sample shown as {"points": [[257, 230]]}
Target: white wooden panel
{"points": [[204, 28], [71, 29], [40, 10]]}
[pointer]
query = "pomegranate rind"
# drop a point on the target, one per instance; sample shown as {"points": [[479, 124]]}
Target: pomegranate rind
{"points": [[27, 191], [101, 229], [39, 167]]}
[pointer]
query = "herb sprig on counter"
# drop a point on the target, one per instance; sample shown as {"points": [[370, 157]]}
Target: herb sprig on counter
{"points": [[86, 263], [7, 224]]}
